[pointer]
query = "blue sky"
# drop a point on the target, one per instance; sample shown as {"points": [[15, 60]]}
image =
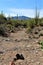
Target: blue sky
{"points": [[21, 7]]}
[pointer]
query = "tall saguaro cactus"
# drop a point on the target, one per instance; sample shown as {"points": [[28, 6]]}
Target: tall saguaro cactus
{"points": [[36, 15]]}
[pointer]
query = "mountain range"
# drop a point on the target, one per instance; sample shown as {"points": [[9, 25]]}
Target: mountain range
{"points": [[21, 17]]}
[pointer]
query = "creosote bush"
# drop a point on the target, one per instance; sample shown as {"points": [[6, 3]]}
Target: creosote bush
{"points": [[4, 31]]}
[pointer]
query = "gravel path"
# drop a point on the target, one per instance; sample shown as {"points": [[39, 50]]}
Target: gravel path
{"points": [[20, 42]]}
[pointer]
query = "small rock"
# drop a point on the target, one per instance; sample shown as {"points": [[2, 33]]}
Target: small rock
{"points": [[41, 33], [38, 63], [7, 39], [1, 52], [36, 51]]}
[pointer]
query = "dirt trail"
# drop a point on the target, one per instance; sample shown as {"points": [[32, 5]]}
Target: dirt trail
{"points": [[19, 42]]}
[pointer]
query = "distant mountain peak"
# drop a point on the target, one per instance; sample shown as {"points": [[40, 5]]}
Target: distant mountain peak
{"points": [[21, 17]]}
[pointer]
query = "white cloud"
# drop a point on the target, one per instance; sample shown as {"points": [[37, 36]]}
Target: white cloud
{"points": [[23, 12], [41, 13]]}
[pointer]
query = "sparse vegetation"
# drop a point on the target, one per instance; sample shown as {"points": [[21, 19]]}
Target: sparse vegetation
{"points": [[11, 25], [41, 43]]}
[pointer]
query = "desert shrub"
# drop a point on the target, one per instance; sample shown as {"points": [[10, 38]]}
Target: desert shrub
{"points": [[24, 24], [41, 23], [3, 19], [41, 43], [14, 23], [32, 24], [4, 31], [36, 21], [18, 24], [11, 28], [28, 30]]}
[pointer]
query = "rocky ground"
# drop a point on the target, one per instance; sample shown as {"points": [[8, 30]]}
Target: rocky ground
{"points": [[22, 43]]}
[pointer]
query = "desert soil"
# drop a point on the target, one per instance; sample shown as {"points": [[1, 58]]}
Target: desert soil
{"points": [[20, 43]]}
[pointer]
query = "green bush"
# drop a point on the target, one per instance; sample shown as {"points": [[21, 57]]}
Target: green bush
{"points": [[3, 19], [4, 31], [41, 23], [41, 43], [32, 24]]}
